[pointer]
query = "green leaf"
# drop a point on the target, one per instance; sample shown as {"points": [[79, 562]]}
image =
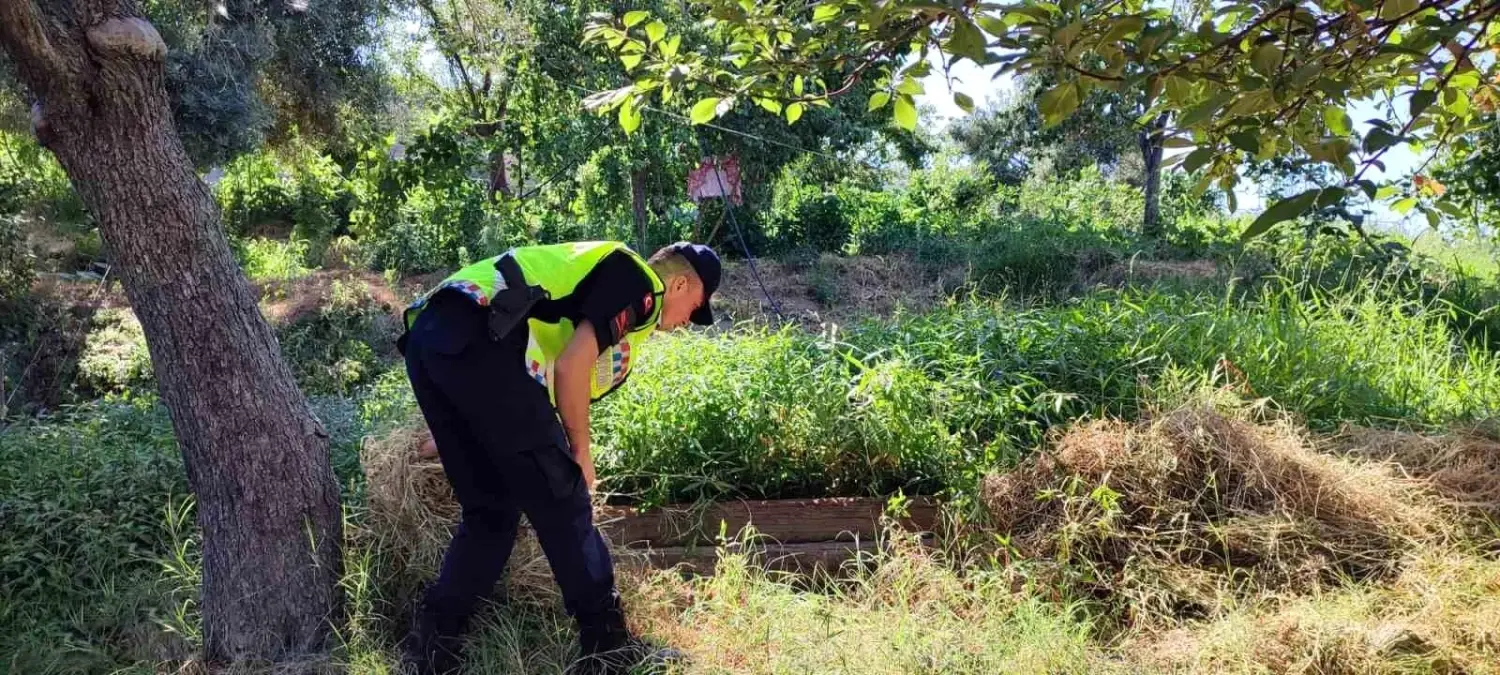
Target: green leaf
{"points": [[1067, 34], [1447, 206], [1121, 27], [963, 101], [966, 40], [630, 116], [631, 60], [669, 46], [826, 12], [1386, 192], [906, 112], [633, 18], [1058, 102], [1175, 142], [1266, 59], [794, 113], [1379, 139], [1392, 9], [1197, 158], [1404, 205], [1178, 89], [1248, 141], [656, 30], [1330, 196], [1200, 113], [1283, 210], [1420, 100], [879, 99], [1253, 103], [797, 85], [1337, 120], [992, 25], [771, 105], [703, 111], [1433, 219], [911, 86]]}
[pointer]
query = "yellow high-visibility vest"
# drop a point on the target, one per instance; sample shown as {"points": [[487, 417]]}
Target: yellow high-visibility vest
{"points": [[558, 269]]}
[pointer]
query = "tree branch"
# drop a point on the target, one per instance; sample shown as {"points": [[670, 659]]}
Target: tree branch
{"points": [[24, 37]]}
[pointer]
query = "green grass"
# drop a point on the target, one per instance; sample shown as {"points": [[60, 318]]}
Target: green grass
{"points": [[929, 402], [90, 500]]}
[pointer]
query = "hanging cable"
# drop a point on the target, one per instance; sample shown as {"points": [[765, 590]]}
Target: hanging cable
{"points": [[744, 245]]}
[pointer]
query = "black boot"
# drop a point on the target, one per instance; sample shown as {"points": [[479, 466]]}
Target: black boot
{"points": [[434, 644], [608, 648]]}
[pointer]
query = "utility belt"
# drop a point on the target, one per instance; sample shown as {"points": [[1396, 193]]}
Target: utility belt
{"points": [[509, 306]]}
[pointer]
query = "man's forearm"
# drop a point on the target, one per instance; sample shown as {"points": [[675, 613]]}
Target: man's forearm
{"points": [[574, 368]]}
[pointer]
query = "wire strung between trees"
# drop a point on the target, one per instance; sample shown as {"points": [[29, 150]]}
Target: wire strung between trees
{"points": [[744, 246]]}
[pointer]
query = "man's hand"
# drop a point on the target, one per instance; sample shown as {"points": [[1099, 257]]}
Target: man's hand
{"points": [[585, 461], [574, 368]]}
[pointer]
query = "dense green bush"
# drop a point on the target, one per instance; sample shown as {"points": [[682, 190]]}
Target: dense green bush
{"points": [[17, 266], [295, 192], [32, 183], [415, 212], [80, 531], [115, 357], [332, 350], [96, 535], [266, 259]]}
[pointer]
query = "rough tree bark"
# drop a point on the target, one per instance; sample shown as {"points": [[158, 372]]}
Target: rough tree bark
{"points": [[1151, 150], [257, 459]]}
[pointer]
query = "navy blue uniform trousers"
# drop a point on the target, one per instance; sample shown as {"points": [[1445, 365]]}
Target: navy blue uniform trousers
{"points": [[505, 453]]}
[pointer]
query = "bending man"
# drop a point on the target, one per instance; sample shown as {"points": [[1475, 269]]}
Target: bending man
{"points": [[505, 357]]}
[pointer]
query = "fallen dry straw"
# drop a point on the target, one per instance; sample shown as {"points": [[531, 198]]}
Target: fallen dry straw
{"points": [[411, 506], [1176, 517], [1463, 467]]}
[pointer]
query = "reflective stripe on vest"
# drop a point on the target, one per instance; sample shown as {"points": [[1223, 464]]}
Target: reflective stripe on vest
{"points": [[558, 268]]}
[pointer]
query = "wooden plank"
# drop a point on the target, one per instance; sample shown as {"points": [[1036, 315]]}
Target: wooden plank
{"points": [[806, 558], [786, 521]]}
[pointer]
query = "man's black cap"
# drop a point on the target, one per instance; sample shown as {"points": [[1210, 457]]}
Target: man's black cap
{"points": [[706, 263]]}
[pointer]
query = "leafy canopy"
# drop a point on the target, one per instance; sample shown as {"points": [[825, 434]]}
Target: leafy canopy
{"points": [[1251, 81]]}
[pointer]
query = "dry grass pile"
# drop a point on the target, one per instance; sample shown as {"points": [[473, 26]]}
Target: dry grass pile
{"points": [[1463, 466], [1183, 516], [1441, 615], [411, 514], [411, 505]]}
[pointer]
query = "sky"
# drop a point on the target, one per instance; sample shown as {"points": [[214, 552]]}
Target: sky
{"points": [[983, 87]]}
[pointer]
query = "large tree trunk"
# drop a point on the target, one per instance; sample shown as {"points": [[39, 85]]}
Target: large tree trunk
{"points": [[257, 459], [1151, 149]]}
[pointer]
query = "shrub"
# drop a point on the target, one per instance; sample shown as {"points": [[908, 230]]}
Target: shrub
{"points": [[413, 213], [297, 193], [115, 357], [330, 350], [17, 266], [272, 260], [33, 184], [85, 495]]}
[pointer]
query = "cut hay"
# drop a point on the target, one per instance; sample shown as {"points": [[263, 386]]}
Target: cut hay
{"points": [[1441, 615], [1178, 517], [412, 514], [411, 505], [1463, 467]]}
